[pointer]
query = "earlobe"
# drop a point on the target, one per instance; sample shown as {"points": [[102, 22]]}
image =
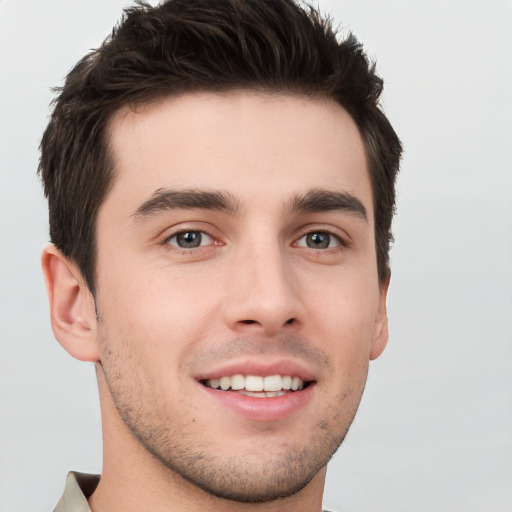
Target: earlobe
{"points": [[72, 308], [381, 332]]}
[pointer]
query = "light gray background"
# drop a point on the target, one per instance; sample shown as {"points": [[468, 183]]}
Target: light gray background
{"points": [[434, 431]]}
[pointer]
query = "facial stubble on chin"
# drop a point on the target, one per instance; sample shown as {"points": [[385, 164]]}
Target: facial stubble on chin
{"points": [[262, 474]]}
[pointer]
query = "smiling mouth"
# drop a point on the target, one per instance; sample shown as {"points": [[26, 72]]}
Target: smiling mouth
{"points": [[257, 386]]}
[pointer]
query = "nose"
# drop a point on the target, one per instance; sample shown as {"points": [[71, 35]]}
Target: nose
{"points": [[262, 295]]}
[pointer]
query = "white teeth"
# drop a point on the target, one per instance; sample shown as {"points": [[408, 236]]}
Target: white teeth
{"points": [[225, 383], [254, 385], [237, 382], [256, 395], [287, 382], [263, 394], [273, 383]]}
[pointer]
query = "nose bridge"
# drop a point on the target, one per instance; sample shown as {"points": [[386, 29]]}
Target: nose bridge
{"points": [[264, 296]]}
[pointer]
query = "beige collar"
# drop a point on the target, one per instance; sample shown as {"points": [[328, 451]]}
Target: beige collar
{"points": [[79, 486]]}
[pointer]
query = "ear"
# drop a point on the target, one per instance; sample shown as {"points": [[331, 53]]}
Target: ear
{"points": [[72, 308], [380, 330]]}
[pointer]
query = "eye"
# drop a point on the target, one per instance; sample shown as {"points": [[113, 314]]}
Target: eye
{"points": [[189, 239], [319, 240]]}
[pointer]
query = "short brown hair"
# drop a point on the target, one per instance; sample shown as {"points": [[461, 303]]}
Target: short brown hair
{"points": [[204, 45]]}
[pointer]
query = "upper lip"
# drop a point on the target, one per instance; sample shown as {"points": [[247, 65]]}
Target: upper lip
{"points": [[256, 366]]}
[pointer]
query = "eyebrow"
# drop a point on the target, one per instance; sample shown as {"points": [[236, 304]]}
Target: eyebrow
{"points": [[319, 200], [316, 200], [164, 200]]}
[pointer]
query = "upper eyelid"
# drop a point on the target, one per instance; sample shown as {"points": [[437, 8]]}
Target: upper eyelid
{"points": [[339, 233], [213, 232], [181, 227], [341, 241], [166, 238]]}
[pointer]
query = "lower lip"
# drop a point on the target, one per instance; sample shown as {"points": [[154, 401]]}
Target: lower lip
{"points": [[262, 409]]}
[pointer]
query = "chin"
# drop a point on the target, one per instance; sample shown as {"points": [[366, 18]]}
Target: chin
{"points": [[264, 475]]}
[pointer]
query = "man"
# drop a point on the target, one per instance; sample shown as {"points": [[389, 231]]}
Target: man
{"points": [[221, 187]]}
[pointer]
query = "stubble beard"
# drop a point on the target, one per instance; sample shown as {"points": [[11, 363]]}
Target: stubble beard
{"points": [[263, 473]]}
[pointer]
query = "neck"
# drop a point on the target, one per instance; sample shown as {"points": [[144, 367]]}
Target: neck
{"points": [[133, 479]]}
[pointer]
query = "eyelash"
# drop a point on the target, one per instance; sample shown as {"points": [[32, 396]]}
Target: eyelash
{"points": [[167, 240], [340, 242]]}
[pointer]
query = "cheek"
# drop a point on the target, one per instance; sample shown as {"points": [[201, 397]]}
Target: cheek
{"points": [[344, 312], [160, 317]]}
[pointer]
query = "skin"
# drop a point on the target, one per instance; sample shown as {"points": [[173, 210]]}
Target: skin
{"points": [[255, 291]]}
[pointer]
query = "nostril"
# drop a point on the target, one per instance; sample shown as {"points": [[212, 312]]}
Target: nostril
{"points": [[290, 321]]}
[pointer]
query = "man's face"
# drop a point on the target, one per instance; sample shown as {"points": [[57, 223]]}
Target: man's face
{"points": [[237, 243]]}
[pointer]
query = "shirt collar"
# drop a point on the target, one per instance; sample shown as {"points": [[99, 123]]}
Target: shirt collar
{"points": [[79, 486]]}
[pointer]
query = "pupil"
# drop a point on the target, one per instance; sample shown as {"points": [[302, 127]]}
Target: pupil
{"points": [[318, 240], [189, 239]]}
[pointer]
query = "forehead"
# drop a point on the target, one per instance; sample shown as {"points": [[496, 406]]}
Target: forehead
{"points": [[267, 145]]}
